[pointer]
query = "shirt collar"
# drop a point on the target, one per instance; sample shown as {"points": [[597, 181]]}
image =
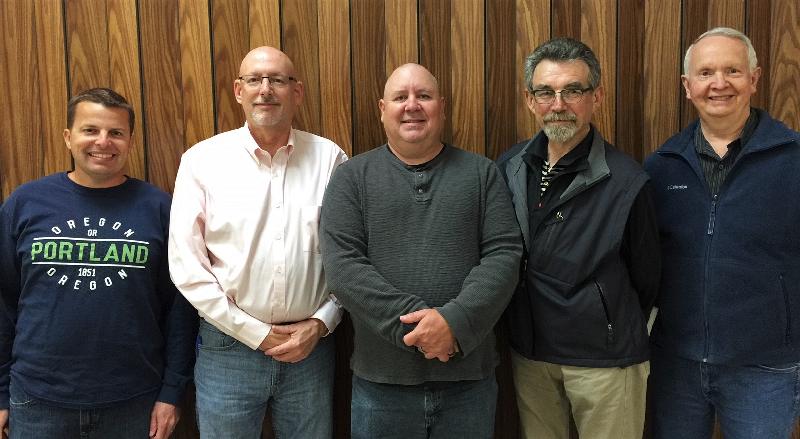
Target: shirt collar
{"points": [[252, 148]]}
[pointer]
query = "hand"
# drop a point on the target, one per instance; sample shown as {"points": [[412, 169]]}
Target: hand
{"points": [[303, 337], [272, 339], [432, 336], [4, 424], [163, 419]]}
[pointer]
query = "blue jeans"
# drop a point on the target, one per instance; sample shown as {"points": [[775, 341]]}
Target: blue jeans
{"points": [[31, 418], [437, 410], [749, 401], [236, 384]]}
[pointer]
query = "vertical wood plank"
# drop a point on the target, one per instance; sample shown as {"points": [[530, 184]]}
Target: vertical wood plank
{"points": [[162, 89], [368, 39], [229, 21], [435, 16], [728, 13], [87, 36], [662, 59], [195, 67], [598, 31], [334, 72], [695, 22], [123, 53], [566, 18], [785, 62], [630, 86], [468, 97], [300, 42], [501, 84], [21, 151], [53, 95], [265, 23], [533, 29], [758, 22], [401, 33]]}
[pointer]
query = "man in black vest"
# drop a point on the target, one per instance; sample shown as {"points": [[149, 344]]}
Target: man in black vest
{"points": [[578, 321]]}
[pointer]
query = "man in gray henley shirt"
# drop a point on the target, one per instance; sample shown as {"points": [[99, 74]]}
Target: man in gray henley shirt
{"points": [[420, 245]]}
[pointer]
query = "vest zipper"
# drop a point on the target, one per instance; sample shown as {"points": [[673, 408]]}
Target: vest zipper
{"points": [[610, 325]]}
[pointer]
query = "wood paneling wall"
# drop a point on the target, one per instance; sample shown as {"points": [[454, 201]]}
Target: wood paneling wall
{"points": [[175, 60]]}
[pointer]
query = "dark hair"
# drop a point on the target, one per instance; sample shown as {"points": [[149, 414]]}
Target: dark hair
{"points": [[103, 96], [563, 49]]}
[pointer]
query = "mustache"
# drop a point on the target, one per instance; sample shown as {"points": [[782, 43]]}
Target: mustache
{"points": [[269, 100], [570, 117]]}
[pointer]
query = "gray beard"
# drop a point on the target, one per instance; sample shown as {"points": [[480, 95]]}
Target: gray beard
{"points": [[560, 133]]}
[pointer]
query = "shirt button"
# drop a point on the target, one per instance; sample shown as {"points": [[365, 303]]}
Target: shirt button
{"points": [[721, 166], [278, 237], [420, 191]]}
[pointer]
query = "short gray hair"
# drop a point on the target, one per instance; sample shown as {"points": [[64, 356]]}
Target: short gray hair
{"points": [[752, 61], [563, 49]]}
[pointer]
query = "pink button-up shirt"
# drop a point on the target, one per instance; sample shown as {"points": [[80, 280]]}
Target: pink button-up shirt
{"points": [[243, 238]]}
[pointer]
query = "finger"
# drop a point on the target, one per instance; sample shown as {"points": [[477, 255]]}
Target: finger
{"points": [[410, 339], [153, 423], [283, 329], [414, 316]]}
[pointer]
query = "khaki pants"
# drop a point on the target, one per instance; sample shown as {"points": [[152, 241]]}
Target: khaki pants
{"points": [[606, 403]]}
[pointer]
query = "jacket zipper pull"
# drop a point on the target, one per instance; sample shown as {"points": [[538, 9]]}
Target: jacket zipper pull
{"points": [[712, 216], [610, 335]]}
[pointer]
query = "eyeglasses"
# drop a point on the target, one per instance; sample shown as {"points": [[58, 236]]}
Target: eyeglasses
{"points": [[568, 95], [275, 81]]}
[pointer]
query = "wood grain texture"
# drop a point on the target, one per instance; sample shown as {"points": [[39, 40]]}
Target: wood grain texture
{"points": [[501, 84], [368, 39], [785, 63], [434, 51], [629, 79], [402, 41], [53, 95], [229, 21], [599, 31], [566, 18], [758, 22], [87, 38], [468, 96], [265, 23], [533, 29], [196, 70], [728, 13], [694, 23], [124, 73], [662, 59], [335, 83], [162, 86], [21, 151], [301, 43]]}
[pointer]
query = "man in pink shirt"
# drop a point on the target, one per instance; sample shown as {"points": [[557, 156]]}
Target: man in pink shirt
{"points": [[244, 250]]}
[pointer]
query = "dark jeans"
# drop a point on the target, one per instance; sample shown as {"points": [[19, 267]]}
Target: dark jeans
{"points": [[436, 410], [30, 418], [751, 402]]}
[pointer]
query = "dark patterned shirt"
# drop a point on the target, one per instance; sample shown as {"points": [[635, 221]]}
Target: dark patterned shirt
{"points": [[716, 168]]}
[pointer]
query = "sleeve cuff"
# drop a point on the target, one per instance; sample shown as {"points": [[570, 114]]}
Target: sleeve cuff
{"points": [[330, 313]]}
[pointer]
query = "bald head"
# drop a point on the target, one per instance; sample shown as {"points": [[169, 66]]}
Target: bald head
{"points": [[411, 71], [266, 54]]}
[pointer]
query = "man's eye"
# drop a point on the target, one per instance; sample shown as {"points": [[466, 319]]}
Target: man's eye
{"points": [[277, 80], [253, 80], [545, 94], [399, 98]]}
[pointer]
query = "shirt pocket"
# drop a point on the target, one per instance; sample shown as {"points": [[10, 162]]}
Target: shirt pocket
{"points": [[309, 228]]}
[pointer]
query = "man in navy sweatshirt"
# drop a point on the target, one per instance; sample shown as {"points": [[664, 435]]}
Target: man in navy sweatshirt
{"points": [[726, 343], [95, 341]]}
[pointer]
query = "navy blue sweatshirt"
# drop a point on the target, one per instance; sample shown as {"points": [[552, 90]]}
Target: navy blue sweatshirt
{"points": [[88, 314]]}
